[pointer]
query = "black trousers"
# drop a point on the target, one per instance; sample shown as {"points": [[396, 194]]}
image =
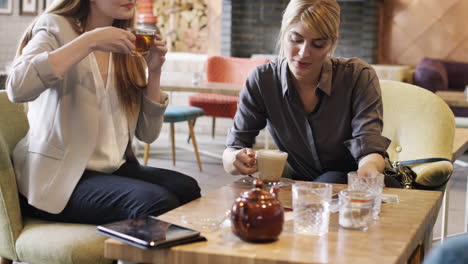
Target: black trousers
{"points": [[131, 191]]}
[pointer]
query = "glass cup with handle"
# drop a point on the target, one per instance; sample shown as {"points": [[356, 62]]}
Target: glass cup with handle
{"points": [[144, 40], [374, 183], [270, 164]]}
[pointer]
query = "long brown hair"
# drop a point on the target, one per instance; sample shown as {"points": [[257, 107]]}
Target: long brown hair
{"points": [[129, 76]]}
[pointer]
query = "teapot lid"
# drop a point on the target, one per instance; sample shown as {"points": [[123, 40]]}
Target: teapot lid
{"points": [[257, 193]]}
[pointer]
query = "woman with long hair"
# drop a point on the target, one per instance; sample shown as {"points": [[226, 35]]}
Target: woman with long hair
{"points": [[87, 97]]}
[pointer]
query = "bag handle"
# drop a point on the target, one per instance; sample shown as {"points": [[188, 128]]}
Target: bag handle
{"points": [[418, 161]]}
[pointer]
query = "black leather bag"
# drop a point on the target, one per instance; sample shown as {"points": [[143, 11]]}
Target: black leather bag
{"points": [[406, 176]]}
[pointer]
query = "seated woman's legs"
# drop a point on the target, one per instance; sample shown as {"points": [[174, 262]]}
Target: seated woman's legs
{"points": [[333, 177], [184, 187], [102, 198]]}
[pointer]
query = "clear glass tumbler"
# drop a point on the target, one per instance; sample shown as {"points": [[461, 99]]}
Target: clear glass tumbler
{"points": [[311, 207], [374, 183], [355, 209]]}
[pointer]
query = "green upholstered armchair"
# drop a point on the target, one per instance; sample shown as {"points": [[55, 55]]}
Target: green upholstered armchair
{"points": [[420, 125], [31, 240]]}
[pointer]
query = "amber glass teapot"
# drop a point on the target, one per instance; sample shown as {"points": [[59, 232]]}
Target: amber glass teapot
{"points": [[257, 215]]}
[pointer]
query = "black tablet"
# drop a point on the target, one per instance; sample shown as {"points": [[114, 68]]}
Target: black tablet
{"points": [[150, 232]]}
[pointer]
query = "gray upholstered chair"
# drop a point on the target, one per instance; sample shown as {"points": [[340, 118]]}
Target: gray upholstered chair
{"points": [[31, 240]]}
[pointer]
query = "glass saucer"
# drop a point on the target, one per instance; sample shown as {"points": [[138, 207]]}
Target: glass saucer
{"points": [[282, 182], [248, 180], [206, 223]]}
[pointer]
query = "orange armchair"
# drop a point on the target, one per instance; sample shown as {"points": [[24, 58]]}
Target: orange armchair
{"points": [[224, 70]]}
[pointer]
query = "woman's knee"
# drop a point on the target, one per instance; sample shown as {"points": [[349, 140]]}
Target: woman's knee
{"points": [[153, 202], [191, 188]]}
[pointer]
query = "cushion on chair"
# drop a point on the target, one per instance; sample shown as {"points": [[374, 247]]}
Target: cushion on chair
{"points": [[63, 243], [431, 74], [215, 104], [233, 70], [457, 73], [224, 69], [179, 113]]}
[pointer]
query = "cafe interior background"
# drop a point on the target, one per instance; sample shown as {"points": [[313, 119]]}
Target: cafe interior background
{"points": [[392, 35]]}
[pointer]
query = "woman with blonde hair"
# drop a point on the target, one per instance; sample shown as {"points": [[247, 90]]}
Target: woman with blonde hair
{"points": [[325, 112], [87, 96]]}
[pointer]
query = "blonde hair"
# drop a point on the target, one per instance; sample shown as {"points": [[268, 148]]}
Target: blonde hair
{"points": [[129, 70], [319, 16]]}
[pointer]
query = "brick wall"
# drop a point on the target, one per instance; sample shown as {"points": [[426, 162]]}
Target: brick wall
{"points": [[359, 30], [252, 27]]}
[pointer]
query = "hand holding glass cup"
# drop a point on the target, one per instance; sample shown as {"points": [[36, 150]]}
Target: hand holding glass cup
{"points": [[144, 40]]}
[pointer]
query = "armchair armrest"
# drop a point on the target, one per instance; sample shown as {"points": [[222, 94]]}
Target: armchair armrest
{"points": [[433, 174]]}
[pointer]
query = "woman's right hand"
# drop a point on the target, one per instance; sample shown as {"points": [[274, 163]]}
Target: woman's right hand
{"points": [[245, 161], [111, 39]]}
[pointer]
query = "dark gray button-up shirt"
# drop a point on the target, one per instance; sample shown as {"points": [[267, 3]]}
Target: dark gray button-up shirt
{"points": [[345, 125]]}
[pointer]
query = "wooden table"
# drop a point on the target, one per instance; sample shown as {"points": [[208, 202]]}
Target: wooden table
{"points": [[460, 142], [184, 85], [393, 239], [452, 98]]}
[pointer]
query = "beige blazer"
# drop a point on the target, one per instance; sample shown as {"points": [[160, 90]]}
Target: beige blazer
{"points": [[63, 122]]}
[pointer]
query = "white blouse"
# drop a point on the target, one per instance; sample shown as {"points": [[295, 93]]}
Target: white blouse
{"points": [[113, 136]]}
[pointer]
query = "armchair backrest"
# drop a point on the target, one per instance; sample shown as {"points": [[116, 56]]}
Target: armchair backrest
{"points": [[419, 123], [230, 69], [13, 127], [456, 74]]}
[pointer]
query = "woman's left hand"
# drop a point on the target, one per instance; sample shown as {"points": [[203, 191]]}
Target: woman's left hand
{"points": [[157, 55], [368, 170], [370, 165]]}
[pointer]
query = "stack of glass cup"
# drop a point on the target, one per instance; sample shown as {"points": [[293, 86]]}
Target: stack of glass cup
{"points": [[373, 183]]}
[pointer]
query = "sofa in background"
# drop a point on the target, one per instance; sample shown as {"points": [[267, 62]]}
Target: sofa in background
{"points": [[436, 75]]}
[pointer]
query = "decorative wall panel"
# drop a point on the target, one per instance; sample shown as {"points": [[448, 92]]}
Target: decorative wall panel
{"points": [[414, 29]]}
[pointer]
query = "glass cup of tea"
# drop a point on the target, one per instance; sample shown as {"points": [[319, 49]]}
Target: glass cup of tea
{"points": [[144, 39], [271, 164]]}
